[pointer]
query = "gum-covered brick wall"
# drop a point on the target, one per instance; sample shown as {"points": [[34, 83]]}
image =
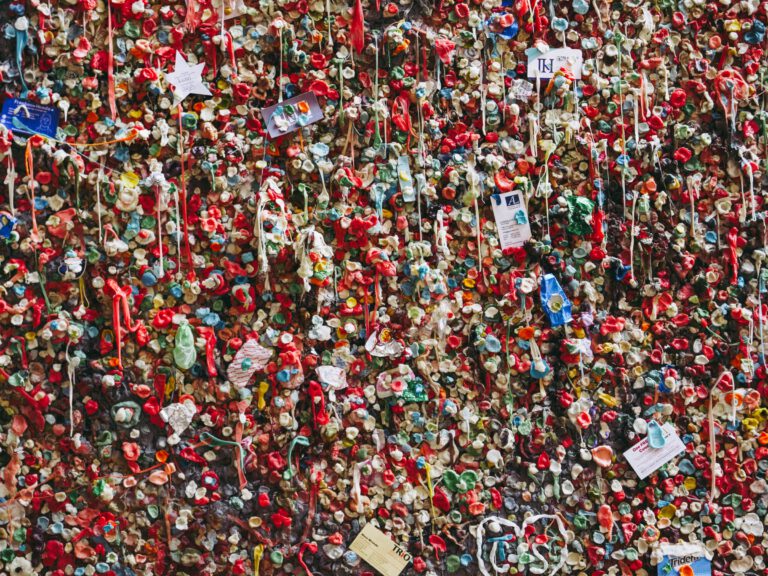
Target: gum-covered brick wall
{"points": [[364, 287]]}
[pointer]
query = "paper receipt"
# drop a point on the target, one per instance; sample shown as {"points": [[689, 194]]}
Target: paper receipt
{"points": [[376, 548], [646, 460]]}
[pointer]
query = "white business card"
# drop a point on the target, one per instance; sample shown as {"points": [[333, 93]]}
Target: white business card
{"points": [[545, 65], [380, 551], [511, 219], [646, 460]]}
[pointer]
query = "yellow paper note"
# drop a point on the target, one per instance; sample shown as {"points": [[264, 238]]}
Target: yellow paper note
{"points": [[130, 179]]}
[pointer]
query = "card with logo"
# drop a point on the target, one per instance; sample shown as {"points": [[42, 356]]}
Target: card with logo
{"points": [[684, 559], [29, 118], [545, 64], [511, 219]]}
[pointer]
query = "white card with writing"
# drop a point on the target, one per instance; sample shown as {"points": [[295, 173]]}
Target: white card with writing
{"points": [[544, 65], [380, 551], [511, 219], [187, 79], [646, 460]]}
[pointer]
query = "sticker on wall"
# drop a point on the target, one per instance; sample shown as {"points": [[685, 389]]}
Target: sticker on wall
{"points": [[684, 559], [406, 180], [292, 114]]}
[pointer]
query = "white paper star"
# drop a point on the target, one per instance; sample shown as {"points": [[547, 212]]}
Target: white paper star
{"points": [[187, 79]]}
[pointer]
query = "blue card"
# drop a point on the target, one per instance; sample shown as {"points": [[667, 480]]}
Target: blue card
{"points": [[7, 222], [555, 302], [29, 118]]}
